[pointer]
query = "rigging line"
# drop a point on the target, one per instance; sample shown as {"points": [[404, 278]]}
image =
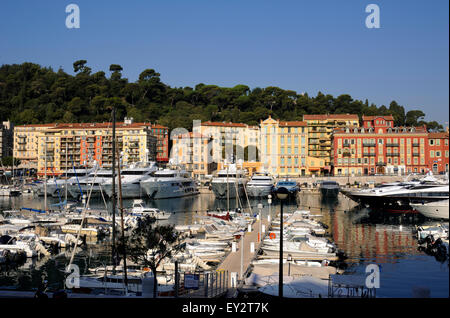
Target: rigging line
{"points": [[84, 216]]}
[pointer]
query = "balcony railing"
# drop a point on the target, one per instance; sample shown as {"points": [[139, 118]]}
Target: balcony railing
{"points": [[416, 154], [392, 145], [369, 144], [415, 144], [369, 154]]}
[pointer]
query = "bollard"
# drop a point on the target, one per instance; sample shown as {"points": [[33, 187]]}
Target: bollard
{"points": [[233, 247], [249, 228], [263, 228], [252, 247], [268, 218]]}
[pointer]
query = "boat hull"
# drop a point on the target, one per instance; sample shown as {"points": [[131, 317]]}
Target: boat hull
{"points": [[221, 189], [259, 191], [434, 210], [166, 190]]}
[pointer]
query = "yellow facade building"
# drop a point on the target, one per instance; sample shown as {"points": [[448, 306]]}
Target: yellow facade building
{"points": [[284, 147], [320, 131]]}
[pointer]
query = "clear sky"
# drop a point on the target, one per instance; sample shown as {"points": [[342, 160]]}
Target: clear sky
{"points": [[306, 46]]}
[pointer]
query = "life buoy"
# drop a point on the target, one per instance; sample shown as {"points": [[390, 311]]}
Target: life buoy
{"points": [[272, 236]]}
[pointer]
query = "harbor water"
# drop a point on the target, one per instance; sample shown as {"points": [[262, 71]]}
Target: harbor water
{"points": [[388, 242]]}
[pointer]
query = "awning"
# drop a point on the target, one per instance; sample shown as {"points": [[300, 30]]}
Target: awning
{"points": [[314, 169]]}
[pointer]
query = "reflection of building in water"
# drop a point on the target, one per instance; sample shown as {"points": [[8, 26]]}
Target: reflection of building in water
{"points": [[381, 243]]}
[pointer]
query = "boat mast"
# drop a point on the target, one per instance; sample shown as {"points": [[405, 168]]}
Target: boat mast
{"points": [[45, 180], [65, 185], [228, 191], [113, 251], [121, 223]]}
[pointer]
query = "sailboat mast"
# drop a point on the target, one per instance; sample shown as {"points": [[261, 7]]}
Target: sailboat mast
{"points": [[65, 185], [113, 252], [121, 222], [45, 180]]}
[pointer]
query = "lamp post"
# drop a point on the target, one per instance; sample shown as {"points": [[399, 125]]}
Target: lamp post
{"points": [[282, 194], [289, 259], [260, 206], [270, 203]]}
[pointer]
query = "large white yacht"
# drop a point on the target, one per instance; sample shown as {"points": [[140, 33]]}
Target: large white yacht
{"points": [[53, 184], [229, 182], [260, 185], [169, 183], [95, 181], [131, 181], [426, 190], [434, 210]]}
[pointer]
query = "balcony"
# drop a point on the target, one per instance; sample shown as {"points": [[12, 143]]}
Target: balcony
{"points": [[369, 144], [415, 144], [393, 154], [369, 154], [392, 145], [416, 154]]}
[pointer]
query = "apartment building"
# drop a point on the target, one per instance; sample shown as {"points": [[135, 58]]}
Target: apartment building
{"points": [[162, 142], [438, 152], [191, 150], [320, 130], [26, 143], [82, 144], [6, 139], [379, 148], [231, 139], [284, 148]]}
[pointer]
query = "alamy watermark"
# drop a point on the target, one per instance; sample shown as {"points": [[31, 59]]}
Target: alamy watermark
{"points": [[373, 19], [73, 279], [373, 279], [73, 19]]}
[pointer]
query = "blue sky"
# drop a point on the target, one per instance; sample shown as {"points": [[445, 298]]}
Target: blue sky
{"points": [[306, 46]]}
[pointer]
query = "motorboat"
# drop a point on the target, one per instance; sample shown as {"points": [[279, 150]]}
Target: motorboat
{"points": [[91, 185], [434, 210], [169, 183], [131, 181], [9, 191], [56, 186], [260, 185], [229, 183], [401, 193], [138, 209], [329, 188], [289, 185]]}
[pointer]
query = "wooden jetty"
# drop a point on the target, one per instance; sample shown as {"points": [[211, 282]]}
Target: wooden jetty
{"points": [[232, 263]]}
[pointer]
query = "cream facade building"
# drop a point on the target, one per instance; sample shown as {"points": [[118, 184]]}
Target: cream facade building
{"points": [[284, 147]]}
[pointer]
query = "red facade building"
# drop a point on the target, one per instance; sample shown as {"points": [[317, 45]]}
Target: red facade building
{"points": [[162, 142], [438, 152], [380, 148]]}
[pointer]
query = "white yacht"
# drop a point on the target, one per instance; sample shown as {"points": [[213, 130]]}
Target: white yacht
{"points": [[131, 181], [260, 185], [434, 210], [55, 184], [406, 192], [229, 182], [138, 209], [169, 183], [95, 180]]}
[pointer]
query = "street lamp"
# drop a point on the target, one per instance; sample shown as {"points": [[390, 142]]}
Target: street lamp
{"points": [[270, 202], [260, 206], [282, 194], [289, 259]]}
